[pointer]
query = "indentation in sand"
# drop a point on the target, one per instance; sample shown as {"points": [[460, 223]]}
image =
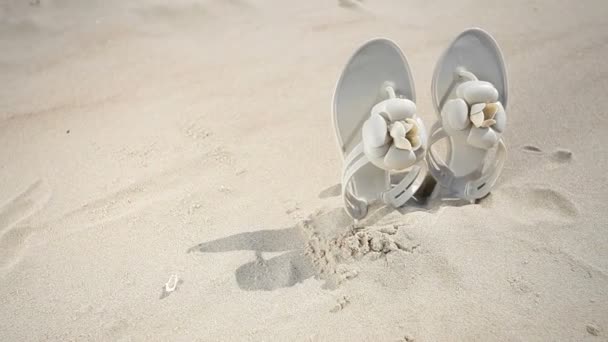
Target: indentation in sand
{"points": [[592, 329], [519, 284], [134, 197], [532, 203], [23, 205], [562, 155], [531, 149], [13, 233], [341, 303]]}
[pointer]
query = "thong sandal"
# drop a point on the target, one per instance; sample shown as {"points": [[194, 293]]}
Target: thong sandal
{"points": [[469, 92], [379, 134]]}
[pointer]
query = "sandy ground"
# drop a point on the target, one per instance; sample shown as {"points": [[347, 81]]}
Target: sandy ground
{"points": [[143, 140]]}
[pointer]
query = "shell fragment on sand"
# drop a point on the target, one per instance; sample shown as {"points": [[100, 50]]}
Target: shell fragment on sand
{"points": [[171, 285]]}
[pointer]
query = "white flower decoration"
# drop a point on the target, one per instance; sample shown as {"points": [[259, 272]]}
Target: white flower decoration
{"points": [[393, 136], [476, 108]]}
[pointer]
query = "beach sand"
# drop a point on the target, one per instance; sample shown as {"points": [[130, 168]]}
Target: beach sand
{"points": [[145, 140]]}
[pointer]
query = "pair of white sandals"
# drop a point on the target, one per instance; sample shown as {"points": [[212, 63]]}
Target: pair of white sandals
{"points": [[385, 144]]}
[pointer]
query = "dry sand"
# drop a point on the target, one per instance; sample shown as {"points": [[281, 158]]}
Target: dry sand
{"points": [[193, 138]]}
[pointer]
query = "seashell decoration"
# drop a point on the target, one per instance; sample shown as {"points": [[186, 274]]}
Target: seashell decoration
{"points": [[392, 136], [476, 108]]}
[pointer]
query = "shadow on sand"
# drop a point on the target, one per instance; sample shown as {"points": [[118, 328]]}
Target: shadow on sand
{"points": [[284, 270], [293, 265]]}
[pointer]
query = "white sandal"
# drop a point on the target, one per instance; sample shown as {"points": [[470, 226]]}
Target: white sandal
{"points": [[378, 131], [469, 91]]}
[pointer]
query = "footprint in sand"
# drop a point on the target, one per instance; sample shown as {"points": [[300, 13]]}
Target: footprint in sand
{"points": [[127, 201], [533, 203], [531, 149], [131, 199], [13, 234], [560, 155]]}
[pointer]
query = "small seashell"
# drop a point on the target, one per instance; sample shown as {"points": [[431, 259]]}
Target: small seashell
{"points": [[477, 114], [408, 124], [477, 119], [171, 285], [413, 134], [402, 143], [411, 125], [488, 123], [398, 132], [375, 131], [397, 129], [489, 111], [500, 117], [477, 108]]}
